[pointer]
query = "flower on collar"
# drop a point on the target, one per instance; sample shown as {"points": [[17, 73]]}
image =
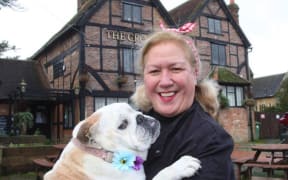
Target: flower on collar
{"points": [[126, 161], [138, 163]]}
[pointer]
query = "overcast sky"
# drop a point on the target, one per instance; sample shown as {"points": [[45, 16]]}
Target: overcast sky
{"points": [[264, 22]]}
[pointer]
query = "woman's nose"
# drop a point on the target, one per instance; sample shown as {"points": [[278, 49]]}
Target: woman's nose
{"points": [[165, 79]]}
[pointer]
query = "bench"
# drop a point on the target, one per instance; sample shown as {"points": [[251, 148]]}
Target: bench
{"points": [[42, 165], [239, 163], [268, 167], [52, 158]]}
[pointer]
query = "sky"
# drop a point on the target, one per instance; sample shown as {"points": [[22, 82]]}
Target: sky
{"points": [[264, 22]]}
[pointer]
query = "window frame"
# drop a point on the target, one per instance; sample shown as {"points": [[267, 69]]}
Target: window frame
{"points": [[58, 69], [68, 117], [218, 54], [214, 26], [235, 92], [129, 12], [129, 65], [108, 100]]}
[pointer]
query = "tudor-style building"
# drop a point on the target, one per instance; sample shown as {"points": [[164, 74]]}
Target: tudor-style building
{"points": [[93, 57], [96, 52], [223, 49]]}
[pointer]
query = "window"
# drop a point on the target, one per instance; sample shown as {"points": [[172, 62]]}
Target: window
{"points": [[68, 119], [132, 12], [102, 101], [214, 26], [218, 54], [58, 69], [234, 94], [129, 60]]}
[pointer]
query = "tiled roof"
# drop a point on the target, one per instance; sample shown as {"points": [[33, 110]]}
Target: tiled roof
{"points": [[13, 71], [267, 86]]}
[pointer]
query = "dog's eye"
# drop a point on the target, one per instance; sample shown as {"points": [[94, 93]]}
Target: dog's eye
{"points": [[124, 124]]}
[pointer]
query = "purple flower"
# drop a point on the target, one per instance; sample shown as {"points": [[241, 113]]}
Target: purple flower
{"points": [[138, 163]]}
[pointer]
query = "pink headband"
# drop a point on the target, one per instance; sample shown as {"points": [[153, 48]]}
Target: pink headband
{"points": [[188, 27]]}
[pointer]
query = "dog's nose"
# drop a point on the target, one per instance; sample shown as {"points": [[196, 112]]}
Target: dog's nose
{"points": [[140, 119], [144, 120]]}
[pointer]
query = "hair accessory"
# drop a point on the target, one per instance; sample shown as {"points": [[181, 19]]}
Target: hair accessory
{"points": [[188, 27]]}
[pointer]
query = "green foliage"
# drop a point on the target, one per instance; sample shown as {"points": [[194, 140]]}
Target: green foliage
{"points": [[273, 109], [23, 120], [282, 96], [37, 132], [223, 101]]}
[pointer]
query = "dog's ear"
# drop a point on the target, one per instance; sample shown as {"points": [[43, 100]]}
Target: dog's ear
{"points": [[83, 133]]}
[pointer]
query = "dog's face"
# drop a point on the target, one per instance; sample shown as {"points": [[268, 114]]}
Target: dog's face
{"points": [[118, 127]]}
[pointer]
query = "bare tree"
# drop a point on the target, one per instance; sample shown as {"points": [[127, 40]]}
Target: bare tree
{"points": [[10, 3]]}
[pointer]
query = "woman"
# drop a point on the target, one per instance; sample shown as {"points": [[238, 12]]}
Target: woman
{"points": [[170, 93]]}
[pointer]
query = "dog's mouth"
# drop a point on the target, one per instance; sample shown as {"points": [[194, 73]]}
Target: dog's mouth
{"points": [[148, 129]]}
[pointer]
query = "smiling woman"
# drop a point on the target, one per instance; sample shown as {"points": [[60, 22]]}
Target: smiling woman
{"points": [[172, 94]]}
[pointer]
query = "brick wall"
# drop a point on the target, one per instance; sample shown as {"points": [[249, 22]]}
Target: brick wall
{"points": [[235, 122]]}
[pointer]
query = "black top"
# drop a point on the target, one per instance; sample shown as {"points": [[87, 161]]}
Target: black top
{"points": [[193, 133]]}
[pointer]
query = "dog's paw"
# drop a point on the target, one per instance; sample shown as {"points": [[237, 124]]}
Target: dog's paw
{"points": [[186, 166]]}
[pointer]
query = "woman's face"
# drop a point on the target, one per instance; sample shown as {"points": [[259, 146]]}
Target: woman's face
{"points": [[169, 79]]}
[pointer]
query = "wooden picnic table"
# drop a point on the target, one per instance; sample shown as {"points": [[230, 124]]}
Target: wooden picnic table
{"points": [[275, 155], [272, 149]]}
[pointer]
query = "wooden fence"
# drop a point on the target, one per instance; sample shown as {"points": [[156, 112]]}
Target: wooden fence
{"points": [[270, 128]]}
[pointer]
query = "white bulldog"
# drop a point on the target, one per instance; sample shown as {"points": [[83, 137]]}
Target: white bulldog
{"points": [[112, 144]]}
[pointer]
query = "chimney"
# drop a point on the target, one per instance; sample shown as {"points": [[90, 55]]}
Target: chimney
{"points": [[234, 9]]}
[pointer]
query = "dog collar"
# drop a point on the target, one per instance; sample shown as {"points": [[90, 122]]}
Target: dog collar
{"points": [[121, 160], [101, 153]]}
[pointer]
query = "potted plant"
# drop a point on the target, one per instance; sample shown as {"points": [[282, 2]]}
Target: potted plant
{"points": [[224, 103], [23, 121], [249, 102], [121, 80]]}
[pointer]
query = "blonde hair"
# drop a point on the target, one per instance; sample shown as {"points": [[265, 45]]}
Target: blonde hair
{"points": [[165, 37]]}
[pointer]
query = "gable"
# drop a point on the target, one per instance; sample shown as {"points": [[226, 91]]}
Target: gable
{"points": [[267, 86], [198, 11], [97, 12]]}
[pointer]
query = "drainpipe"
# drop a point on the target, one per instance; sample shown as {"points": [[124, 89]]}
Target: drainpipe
{"points": [[82, 82]]}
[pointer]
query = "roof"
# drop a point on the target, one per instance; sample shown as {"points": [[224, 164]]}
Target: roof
{"points": [[225, 76], [191, 10], [83, 15], [267, 86], [13, 71], [187, 11]]}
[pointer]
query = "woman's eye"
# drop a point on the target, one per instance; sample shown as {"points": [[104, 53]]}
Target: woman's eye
{"points": [[176, 69], [153, 72], [123, 124]]}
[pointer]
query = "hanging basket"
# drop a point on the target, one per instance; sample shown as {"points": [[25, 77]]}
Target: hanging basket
{"points": [[249, 102], [120, 80]]}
